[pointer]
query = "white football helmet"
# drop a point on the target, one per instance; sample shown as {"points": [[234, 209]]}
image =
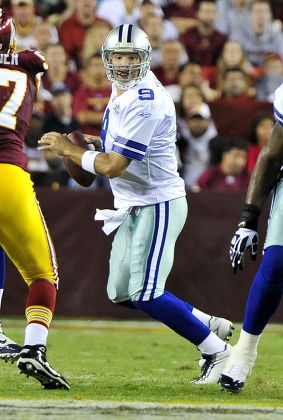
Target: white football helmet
{"points": [[127, 39]]}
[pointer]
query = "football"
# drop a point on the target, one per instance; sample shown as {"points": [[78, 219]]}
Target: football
{"points": [[75, 171]]}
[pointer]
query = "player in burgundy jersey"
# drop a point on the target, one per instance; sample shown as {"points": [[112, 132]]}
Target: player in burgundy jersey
{"points": [[24, 235]]}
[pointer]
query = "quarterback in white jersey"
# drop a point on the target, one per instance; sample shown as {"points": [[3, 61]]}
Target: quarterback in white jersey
{"points": [[267, 286], [138, 138], [141, 125]]}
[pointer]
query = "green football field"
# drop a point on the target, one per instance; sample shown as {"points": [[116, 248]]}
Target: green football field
{"points": [[118, 362]]}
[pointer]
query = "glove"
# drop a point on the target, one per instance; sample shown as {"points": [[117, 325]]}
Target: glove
{"points": [[241, 241], [245, 237]]}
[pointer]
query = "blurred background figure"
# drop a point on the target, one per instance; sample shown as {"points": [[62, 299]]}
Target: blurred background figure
{"points": [[231, 173], [191, 73], [94, 39], [155, 28], [232, 16], [169, 70], [261, 129], [72, 30], [59, 70], [260, 37], [182, 13], [26, 20], [236, 83], [45, 34], [271, 79], [60, 118], [233, 56], [204, 43], [195, 131], [91, 98]]}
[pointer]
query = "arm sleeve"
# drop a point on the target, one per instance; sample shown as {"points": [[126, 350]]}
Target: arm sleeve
{"points": [[139, 124], [278, 105]]}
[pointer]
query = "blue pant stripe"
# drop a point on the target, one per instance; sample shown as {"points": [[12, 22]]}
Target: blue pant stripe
{"points": [[161, 248], [151, 252]]}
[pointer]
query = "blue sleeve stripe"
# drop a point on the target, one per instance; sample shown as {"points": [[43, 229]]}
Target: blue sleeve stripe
{"points": [[131, 143], [127, 152], [278, 116]]}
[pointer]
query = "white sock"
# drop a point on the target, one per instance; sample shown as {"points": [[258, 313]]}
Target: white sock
{"points": [[35, 334], [247, 342], [212, 344], [203, 317]]}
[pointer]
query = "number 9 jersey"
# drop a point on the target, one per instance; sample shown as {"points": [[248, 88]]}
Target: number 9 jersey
{"points": [[20, 75]]}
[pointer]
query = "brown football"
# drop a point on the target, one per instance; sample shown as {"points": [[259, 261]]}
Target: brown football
{"points": [[75, 171]]}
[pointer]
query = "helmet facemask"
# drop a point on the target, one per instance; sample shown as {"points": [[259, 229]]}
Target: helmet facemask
{"points": [[130, 74]]}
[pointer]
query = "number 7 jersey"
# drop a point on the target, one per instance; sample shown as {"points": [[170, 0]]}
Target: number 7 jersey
{"points": [[20, 75], [141, 125]]}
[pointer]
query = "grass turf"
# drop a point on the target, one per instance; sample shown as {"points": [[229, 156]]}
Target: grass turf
{"points": [[124, 361]]}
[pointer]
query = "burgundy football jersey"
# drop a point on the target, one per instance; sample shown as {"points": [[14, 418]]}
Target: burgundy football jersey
{"points": [[19, 77]]}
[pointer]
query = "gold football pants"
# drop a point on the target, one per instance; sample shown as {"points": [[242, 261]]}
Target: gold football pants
{"points": [[23, 232]]}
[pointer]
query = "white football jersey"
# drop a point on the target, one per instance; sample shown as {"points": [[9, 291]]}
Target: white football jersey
{"points": [[141, 124], [278, 105]]}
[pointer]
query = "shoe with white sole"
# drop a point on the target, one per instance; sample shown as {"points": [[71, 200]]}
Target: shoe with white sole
{"points": [[9, 349], [213, 366], [32, 362], [222, 327], [237, 370]]}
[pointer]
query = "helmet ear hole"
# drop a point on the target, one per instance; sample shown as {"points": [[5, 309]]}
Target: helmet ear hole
{"points": [[127, 39]]}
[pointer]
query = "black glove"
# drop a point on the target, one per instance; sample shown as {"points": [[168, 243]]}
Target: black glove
{"points": [[245, 237]]}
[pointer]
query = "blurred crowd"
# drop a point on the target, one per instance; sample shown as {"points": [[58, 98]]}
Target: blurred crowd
{"points": [[221, 60]]}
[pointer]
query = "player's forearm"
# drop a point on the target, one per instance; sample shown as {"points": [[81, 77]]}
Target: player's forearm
{"points": [[265, 173], [110, 164]]}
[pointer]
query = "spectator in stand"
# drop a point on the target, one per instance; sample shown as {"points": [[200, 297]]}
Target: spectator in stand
{"points": [[26, 20], [94, 39], [260, 37], [58, 69], [73, 29], [236, 83], [118, 12], [231, 174], [169, 70], [271, 80], [195, 131], [191, 73], [155, 29], [204, 43], [57, 13], [45, 34], [149, 7], [232, 16], [61, 117], [233, 55], [182, 13], [92, 97], [261, 130]]}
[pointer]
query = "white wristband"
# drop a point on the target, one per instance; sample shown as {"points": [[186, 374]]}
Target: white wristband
{"points": [[88, 159]]}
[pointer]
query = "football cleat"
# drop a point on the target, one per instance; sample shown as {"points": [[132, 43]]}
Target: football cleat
{"points": [[237, 369], [9, 350], [226, 382], [32, 362], [221, 327], [213, 366]]}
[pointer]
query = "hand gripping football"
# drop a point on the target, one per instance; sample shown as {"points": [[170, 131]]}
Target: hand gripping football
{"points": [[75, 171]]}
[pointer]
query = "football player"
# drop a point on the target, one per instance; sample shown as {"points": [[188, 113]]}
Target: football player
{"points": [[9, 350], [267, 287], [139, 156], [24, 235]]}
